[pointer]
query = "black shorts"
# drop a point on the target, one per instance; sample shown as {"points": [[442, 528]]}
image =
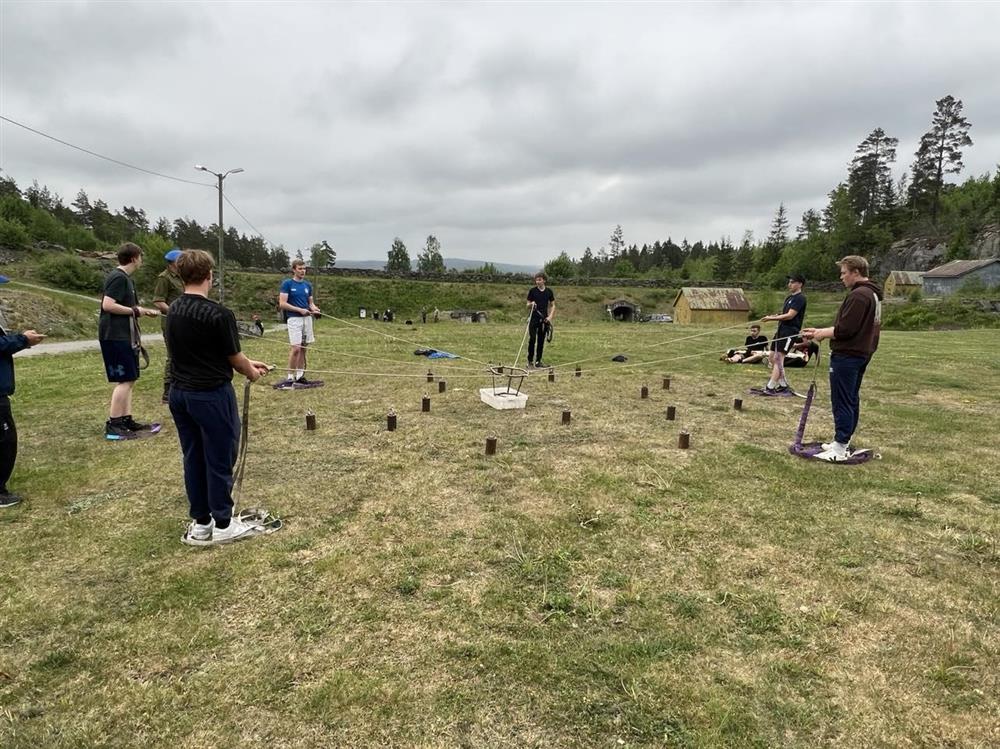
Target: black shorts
{"points": [[784, 346], [121, 362]]}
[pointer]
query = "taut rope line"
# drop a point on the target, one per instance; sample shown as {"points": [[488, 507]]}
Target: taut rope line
{"points": [[664, 343]]}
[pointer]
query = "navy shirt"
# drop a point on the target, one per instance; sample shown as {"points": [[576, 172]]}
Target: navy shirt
{"points": [[541, 300], [792, 327]]}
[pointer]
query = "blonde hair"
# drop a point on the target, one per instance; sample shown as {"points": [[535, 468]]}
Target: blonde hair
{"points": [[854, 262]]}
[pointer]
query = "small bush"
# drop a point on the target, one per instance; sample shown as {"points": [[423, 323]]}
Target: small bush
{"points": [[68, 272], [12, 234]]}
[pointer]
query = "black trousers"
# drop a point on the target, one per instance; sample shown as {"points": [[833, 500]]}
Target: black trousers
{"points": [[536, 335], [8, 442]]}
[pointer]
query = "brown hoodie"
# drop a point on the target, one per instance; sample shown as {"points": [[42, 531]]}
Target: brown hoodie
{"points": [[859, 321]]}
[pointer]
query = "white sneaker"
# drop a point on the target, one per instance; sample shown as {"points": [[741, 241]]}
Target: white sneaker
{"points": [[829, 446], [837, 453], [199, 532], [237, 530]]}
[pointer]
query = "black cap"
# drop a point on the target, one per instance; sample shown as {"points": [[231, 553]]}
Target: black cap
{"points": [[797, 277]]}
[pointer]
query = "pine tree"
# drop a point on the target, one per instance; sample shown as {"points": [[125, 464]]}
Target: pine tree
{"points": [[940, 153], [617, 243], [869, 179], [810, 225], [725, 256], [398, 259], [770, 252]]}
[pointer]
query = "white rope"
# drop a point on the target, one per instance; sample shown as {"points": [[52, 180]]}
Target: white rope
{"points": [[527, 327]]}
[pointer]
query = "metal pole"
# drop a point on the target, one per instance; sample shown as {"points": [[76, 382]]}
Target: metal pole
{"points": [[222, 259]]}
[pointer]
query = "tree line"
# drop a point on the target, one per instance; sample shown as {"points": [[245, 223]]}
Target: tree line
{"points": [[864, 214]]}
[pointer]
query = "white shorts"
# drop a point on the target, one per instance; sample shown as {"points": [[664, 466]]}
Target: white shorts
{"points": [[300, 330]]}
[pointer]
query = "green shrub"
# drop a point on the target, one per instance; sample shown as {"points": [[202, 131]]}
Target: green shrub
{"points": [[67, 272], [12, 234]]}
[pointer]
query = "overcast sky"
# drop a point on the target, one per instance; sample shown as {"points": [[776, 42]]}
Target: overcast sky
{"points": [[511, 131]]}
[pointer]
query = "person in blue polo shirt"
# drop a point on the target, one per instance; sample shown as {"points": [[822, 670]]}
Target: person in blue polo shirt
{"points": [[295, 300], [10, 344]]}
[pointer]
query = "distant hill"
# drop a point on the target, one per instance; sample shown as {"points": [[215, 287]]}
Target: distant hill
{"points": [[457, 263]]}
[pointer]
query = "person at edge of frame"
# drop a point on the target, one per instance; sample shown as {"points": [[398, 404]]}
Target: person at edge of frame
{"points": [[168, 288]]}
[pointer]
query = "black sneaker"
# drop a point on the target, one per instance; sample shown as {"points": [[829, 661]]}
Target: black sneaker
{"points": [[781, 389], [302, 381], [541, 365], [118, 432], [9, 500], [136, 426]]}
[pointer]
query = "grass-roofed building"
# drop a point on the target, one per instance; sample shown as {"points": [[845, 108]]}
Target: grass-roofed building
{"points": [[711, 306]]}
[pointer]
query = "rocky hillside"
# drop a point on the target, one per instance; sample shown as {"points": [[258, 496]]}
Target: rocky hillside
{"points": [[926, 252]]}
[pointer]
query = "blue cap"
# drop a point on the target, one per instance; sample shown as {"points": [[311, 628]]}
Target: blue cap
{"points": [[4, 279], [173, 255]]}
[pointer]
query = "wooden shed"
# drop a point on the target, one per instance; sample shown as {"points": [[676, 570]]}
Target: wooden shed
{"points": [[902, 282], [711, 306]]}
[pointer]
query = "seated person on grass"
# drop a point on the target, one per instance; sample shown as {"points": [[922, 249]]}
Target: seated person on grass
{"points": [[754, 349], [801, 354]]}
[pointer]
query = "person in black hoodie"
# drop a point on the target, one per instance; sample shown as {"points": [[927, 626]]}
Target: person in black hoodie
{"points": [[10, 344], [853, 341]]}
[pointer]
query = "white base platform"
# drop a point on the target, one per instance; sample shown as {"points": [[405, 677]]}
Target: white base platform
{"points": [[502, 399]]}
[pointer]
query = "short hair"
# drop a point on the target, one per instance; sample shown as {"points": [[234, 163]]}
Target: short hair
{"points": [[755, 325], [541, 276], [194, 266], [855, 263], [296, 263], [128, 252]]}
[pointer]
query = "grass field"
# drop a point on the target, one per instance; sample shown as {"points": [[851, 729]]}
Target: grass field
{"points": [[590, 585]]}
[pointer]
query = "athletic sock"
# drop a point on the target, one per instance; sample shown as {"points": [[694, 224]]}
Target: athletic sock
{"points": [[299, 373], [771, 384], [290, 377]]}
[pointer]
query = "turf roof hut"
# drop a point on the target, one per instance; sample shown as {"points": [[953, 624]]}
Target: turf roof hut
{"points": [[903, 282], [711, 306], [948, 278], [623, 310]]}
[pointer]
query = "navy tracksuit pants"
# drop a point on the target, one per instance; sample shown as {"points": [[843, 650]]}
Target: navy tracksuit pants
{"points": [[846, 374], [208, 426]]}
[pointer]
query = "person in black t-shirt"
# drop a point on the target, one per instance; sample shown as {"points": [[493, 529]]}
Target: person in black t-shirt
{"points": [[118, 333], [754, 349], [789, 320], [205, 346], [542, 303]]}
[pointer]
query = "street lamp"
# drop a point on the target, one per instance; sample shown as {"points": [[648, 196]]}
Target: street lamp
{"points": [[222, 278]]}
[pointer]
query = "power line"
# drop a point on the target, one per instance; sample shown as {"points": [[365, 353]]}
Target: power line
{"points": [[136, 168], [233, 206], [106, 158]]}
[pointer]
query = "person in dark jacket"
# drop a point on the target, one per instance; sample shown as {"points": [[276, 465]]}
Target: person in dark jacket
{"points": [[853, 341], [10, 344]]}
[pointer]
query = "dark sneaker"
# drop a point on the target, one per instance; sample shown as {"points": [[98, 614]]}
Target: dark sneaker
{"points": [[285, 385], [541, 365], [136, 426], [118, 432], [781, 389], [9, 500], [302, 381]]}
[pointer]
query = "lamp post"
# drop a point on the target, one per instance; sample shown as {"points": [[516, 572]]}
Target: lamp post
{"points": [[222, 278]]}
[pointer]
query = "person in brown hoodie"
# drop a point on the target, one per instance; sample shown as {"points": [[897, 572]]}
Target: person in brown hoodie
{"points": [[853, 340]]}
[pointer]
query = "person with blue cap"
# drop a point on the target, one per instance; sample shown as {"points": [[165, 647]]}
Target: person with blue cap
{"points": [[168, 288], [10, 344]]}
